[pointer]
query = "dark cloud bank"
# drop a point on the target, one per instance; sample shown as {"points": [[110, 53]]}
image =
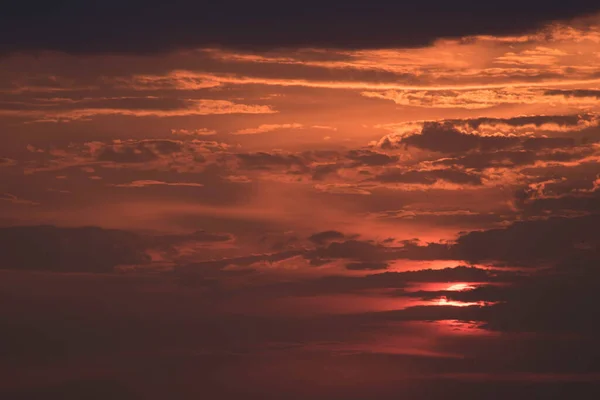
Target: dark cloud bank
{"points": [[155, 26], [129, 336]]}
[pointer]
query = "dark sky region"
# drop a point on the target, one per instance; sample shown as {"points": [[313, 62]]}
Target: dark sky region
{"points": [[299, 200]]}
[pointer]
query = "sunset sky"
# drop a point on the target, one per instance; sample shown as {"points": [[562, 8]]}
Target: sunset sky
{"points": [[302, 201]]}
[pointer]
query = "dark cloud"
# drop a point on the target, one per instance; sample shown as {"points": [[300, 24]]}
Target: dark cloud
{"points": [[263, 160], [386, 280], [138, 152], [561, 300], [104, 103], [88, 249], [326, 237], [352, 249], [537, 242], [457, 274], [430, 177], [361, 266], [449, 217], [576, 201], [531, 242], [243, 261], [198, 236], [78, 27], [323, 171], [537, 120], [445, 138], [370, 158], [542, 143], [93, 389], [450, 136], [514, 158], [573, 93]]}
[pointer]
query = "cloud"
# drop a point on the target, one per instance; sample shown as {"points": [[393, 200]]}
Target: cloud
{"points": [[137, 151], [326, 237], [163, 29], [133, 154], [98, 250], [551, 198], [325, 127], [523, 125], [477, 98], [530, 243], [447, 217], [197, 236], [558, 301], [321, 172], [353, 250], [507, 159], [445, 138], [366, 266], [7, 162], [342, 188], [370, 158], [86, 249], [425, 177], [402, 281], [16, 200], [477, 151], [203, 267], [264, 128], [194, 132], [569, 93], [264, 160], [144, 183], [188, 107]]}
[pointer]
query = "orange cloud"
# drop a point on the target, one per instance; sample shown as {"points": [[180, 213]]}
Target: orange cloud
{"points": [[193, 132], [267, 128], [191, 108]]}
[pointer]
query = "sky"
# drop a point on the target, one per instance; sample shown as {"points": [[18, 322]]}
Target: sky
{"points": [[300, 201]]}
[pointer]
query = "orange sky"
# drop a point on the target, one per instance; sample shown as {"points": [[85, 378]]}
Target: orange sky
{"points": [[378, 187]]}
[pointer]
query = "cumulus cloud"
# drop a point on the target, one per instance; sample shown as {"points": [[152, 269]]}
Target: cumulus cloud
{"points": [[445, 138]]}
